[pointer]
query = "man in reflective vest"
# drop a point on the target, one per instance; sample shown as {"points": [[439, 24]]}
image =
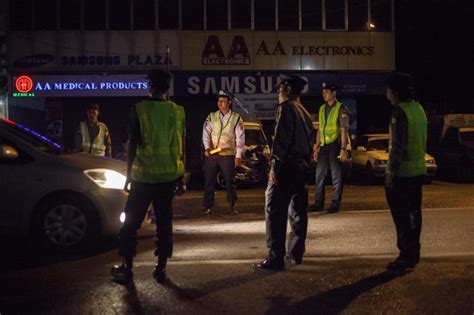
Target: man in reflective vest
{"points": [[406, 169], [223, 138], [155, 168], [92, 136], [330, 148]]}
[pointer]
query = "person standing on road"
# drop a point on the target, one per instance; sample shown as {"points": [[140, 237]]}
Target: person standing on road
{"points": [[330, 146], [92, 136], [286, 196], [155, 169], [223, 137], [406, 169]]}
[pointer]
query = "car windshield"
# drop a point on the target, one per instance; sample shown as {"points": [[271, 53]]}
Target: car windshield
{"points": [[467, 136], [378, 144], [254, 137], [37, 140]]}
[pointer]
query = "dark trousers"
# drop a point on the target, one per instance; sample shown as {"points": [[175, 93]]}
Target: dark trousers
{"points": [[404, 200], [328, 158], [212, 165], [287, 200], [140, 197]]}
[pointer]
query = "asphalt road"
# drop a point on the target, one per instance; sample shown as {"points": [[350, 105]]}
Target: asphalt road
{"points": [[211, 270]]}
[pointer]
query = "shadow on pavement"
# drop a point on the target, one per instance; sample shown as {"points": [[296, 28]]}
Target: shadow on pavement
{"points": [[132, 300], [333, 301], [19, 254]]}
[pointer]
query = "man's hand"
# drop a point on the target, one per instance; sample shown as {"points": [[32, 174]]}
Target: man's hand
{"points": [[238, 161], [315, 154], [389, 180], [344, 156], [206, 153], [180, 187], [126, 187], [272, 177]]}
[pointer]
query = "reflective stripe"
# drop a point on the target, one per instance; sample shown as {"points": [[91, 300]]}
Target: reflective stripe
{"points": [[97, 147], [329, 131], [223, 136]]}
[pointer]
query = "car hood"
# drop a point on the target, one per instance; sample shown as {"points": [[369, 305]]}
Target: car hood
{"points": [[85, 161], [383, 155]]}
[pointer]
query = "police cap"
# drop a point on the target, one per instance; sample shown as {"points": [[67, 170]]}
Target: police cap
{"points": [[399, 81], [329, 86], [93, 106], [227, 94], [296, 83]]}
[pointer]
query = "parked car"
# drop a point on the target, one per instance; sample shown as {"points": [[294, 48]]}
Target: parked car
{"points": [[370, 157], [451, 141], [256, 157], [64, 201]]}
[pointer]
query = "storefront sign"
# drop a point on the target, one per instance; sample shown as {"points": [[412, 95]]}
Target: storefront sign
{"points": [[80, 85]]}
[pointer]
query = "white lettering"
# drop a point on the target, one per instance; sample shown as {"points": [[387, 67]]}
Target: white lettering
{"points": [[193, 83], [210, 84], [250, 87], [230, 84], [266, 85]]}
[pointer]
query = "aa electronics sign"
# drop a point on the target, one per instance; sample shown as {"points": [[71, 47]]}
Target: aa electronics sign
{"points": [[80, 85]]}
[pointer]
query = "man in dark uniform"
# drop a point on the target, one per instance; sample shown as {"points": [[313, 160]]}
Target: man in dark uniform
{"points": [[223, 138], [406, 169], [155, 168], [286, 194], [330, 148]]}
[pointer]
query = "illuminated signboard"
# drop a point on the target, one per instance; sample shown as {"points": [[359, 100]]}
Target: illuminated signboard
{"points": [[80, 85]]}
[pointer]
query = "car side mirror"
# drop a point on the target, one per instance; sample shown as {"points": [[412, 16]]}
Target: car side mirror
{"points": [[8, 152], [361, 149]]}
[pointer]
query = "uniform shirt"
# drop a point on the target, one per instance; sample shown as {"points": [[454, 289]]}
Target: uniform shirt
{"points": [[93, 133], [399, 136], [293, 136], [239, 133], [343, 115]]}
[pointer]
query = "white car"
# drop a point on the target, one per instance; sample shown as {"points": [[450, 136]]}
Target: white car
{"points": [[62, 200], [370, 158]]}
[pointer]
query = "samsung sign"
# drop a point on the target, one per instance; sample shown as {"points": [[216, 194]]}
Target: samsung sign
{"points": [[80, 85]]}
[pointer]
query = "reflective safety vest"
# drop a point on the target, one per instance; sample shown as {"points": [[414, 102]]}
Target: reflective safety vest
{"points": [[329, 130], [159, 158], [96, 146], [223, 135], [413, 158]]}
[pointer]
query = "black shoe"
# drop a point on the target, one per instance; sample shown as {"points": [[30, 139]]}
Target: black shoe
{"points": [[233, 211], [208, 211], [271, 265], [121, 274], [332, 209], [293, 261], [159, 275], [401, 264], [316, 208]]}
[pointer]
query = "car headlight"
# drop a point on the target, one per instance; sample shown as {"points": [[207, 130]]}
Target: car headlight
{"points": [[380, 163], [106, 178], [431, 161]]}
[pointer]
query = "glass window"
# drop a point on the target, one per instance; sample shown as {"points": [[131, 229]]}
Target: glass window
{"points": [[94, 14], [264, 14], [70, 14], [20, 15], [287, 15], [311, 11], [193, 14], [45, 15], [358, 15], [377, 145], [119, 14], [380, 14], [241, 12], [216, 14], [144, 14], [335, 18], [168, 14]]}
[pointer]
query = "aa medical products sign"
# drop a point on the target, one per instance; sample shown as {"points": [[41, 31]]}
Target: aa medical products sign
{"points": [[79, 85]]}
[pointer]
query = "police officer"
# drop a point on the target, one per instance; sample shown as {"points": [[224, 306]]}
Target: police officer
{"points": [[155, 167], [92, 136], [406, 169], [286, 194], [223, 138], [330, 146]]}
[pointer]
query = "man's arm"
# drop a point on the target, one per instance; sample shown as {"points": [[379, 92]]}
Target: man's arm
{"points": [[134, 139], [78, 140], [240, 138], [206, 134], [108, 143], [344, 127], [283, 137], [399, 138]]}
